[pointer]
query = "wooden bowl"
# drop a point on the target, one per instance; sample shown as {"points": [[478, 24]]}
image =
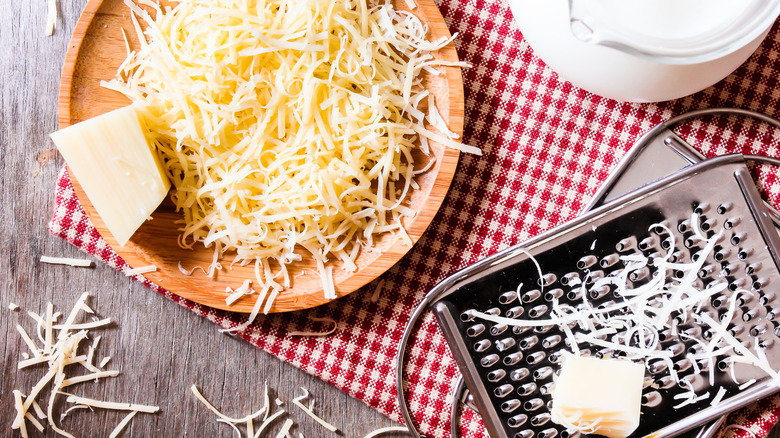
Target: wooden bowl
{"points": [[96, 51]]}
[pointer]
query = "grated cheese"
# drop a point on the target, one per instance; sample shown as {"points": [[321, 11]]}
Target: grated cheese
{"points": [[51, 17], [287, 128], [297, 401], [59, 346], [77, 263], [141, 270], [285, 430], [122, 424]]}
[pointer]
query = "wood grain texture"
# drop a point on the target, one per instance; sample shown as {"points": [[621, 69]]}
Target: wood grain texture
{"points": [[160, 347], [97, 49]]}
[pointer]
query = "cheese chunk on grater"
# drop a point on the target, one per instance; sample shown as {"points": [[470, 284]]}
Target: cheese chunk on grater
{"points": [[509, 369]]}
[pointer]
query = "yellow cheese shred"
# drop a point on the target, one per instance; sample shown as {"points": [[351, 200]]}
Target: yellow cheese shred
{"points": [[287, 127]]}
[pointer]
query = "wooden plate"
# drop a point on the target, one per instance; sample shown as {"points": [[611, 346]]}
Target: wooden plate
{"points": [[96, 51]]}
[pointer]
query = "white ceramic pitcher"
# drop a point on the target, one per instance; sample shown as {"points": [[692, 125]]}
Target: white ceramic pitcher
{"points": [[644, 50]]}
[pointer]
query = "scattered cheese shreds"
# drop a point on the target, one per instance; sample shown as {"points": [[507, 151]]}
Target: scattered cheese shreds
{"points": [[297, 401], [51, 17], [122, 424], [292, 136], [285, 430], [112, 405], [59, 349], [76, 263], [141, 270]]}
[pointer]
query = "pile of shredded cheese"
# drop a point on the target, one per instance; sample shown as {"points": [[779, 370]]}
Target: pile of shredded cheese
{"points": [[635, 325], [61, 347], [288, 128]]}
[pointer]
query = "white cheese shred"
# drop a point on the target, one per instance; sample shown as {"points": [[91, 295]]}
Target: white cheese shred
{"points": [[385, 430], [298, 401], [76, 263], [141, 270], [122, 424]]}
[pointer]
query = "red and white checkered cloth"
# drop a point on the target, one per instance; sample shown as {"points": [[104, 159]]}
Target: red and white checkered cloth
{"points": [[547, 147]]}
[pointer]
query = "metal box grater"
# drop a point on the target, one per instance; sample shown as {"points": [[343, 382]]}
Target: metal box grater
{"points": [[509, 374]]}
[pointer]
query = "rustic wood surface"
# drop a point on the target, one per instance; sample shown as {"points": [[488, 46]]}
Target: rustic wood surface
{"points": [[95, 52], [160, 347]]}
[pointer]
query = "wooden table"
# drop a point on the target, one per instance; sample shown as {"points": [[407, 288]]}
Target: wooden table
{"points": [[160, 348]]}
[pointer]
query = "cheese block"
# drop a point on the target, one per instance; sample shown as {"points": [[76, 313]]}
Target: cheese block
{"points": [[598, 396], [119, 171]]}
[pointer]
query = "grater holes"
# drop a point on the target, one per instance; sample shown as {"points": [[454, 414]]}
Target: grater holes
{"points": [[520, 330], [648, 243], [512, 359], [533, 404], [656, 367], [598, 292], [503, 390], [651, 399], [758, 330], [728, 269], [489, 360], [553, 294], [517, 420], [702, 208], [531, 296], [519, 374], [496, 375], [759, 283], [498, 329], [548, 433], [540, 419], [546, 280], [467, 315], [535, 357], [507, 297], [609, 260], [682, 365], [731, 223], [551, 341], [546, 389], [525, 434], [721, 254], [514, 312], [543, 329], [505, 344], [765, 343], [752, 268], [586, 262], [570, 278], [765, 298], [744, 253], [724, 208], [510, 405], [707, 224], [537, 311], [526, 389], [555, 357], [737, 284], [475, 330], [574, 294], [542, 373], [736, 239], [482, 346], [684, 226], [528, 343], [627, 244], [665, 382]]}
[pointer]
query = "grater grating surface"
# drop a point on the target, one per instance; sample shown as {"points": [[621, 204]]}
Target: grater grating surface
{"points": [[509, 371]]}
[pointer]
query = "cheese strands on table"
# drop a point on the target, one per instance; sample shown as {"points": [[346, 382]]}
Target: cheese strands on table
{"points": [[598, 396], [120, 173]]}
